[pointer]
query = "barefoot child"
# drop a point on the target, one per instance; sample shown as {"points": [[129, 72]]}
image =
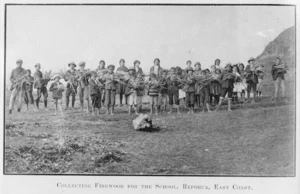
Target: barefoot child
{"points": [[57, 88], [110, 89], [215, 85], [197, 72], [130, 91], [190, 89], [204, 91], [95, 92], [163, 91], [227, 85], [173, 90], [153, 93], [28, 97]]}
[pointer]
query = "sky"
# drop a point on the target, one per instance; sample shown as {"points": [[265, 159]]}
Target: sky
{"points": [[57, 35]]}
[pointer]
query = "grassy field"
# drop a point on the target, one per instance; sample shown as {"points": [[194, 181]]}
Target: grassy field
{"points": [[253, 140]]}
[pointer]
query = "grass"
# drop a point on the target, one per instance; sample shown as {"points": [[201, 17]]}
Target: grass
{"points": [[253, 140]]}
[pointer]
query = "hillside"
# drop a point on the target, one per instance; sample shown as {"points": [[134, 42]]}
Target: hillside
{"points": [[282, 46]]}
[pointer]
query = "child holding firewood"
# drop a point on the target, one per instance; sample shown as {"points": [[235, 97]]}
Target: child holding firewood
{"points": [[153, 93], [227, 78], [28, 87], [189, 88], [57, 89], [130, 91], [110, 89], [173, 89], [95, 93]]}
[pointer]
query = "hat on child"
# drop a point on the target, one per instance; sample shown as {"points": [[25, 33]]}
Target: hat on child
{"points": [[72, 63], [81, 64], [189, 69], [251, 59], [197, 63], [55, 76], [111, 66], [131, 68]]}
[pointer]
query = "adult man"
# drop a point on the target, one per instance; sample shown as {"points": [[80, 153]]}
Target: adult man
{"points": [[41, 85], [83, 86], [71, 85], [251, 79], [278, 71], [17, 89]]}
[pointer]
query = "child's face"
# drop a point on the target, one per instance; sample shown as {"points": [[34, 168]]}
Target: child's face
{"points": [[172, 71], [122, 63], [228, 68], [213, 68], [28, 73], [234, 69], [101, 65], [139, 75], [277, 61], [37, 67], [218, 71], [188, 64], [110, 70], [137, 65], [241, 67], [197, 67], [156, 62], [131, 72], [190, 72], [217, 62], [164, 75]]}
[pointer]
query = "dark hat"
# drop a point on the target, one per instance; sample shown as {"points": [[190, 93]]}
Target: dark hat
{"points": [[72, 63], [189, 69], [81, 64], [19, 61], [136, 61], [38, 64], [111, 66], [131, 69], [228, 64], [121, 60], [251, 59], [156, 59], [102, 61], [197, 63]]}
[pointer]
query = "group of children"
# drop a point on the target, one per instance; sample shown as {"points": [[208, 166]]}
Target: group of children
{"points": [[197, 87]]}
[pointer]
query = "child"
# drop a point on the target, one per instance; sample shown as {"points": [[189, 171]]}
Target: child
{"points": [[204, 92], [163, 91], [227, 85], [121, 86], [95, 92], [197, 72], [41, 85], [57, 88], [83, 86], [28, 97], [243, 78], [190, 89], [238, 86], [261, 75], [110, 89], [181, 74], [215, 86], [188, 64], [251, 79], [153, 93], [173, 90], [130, 91], [71, 85], [140, 91]]}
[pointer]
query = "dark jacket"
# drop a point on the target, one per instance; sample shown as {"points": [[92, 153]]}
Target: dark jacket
{"points": [[173, 86], [110, 83], [159, 70], [17, 72], [227, 83], [251, 75], [190, 87], [95, 88], [278, 72], [56, 93]]}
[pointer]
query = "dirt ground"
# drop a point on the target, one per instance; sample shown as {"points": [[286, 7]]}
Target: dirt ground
{"points": [[253, 140]]}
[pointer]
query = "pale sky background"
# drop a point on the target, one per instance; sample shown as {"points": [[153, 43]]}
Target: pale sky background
{"points": [[56, 35]]}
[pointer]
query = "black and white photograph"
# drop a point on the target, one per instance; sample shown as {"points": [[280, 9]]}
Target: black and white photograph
{"points": [[149, 90]]}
